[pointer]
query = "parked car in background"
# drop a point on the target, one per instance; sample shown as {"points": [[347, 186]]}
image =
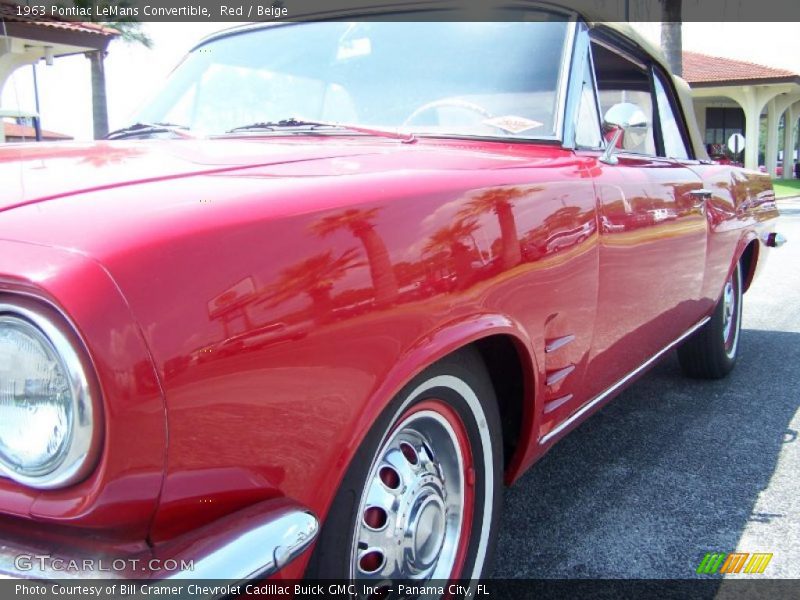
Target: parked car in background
{"points": [[778, 169], [341, 282]]}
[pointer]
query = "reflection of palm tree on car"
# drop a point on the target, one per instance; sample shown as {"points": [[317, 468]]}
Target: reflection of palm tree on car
{"points": [[450, 239], [500, 202], [359, 223], [109, 155], [314, 276]]}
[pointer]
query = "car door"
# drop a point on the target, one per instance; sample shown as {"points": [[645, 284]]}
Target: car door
{"points": [[652, 223]]}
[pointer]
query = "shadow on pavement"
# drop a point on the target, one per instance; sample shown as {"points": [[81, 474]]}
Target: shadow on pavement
{"points": [[668, 471]]}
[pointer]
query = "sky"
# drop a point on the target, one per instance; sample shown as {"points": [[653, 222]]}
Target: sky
{"points": [[134, 73]]}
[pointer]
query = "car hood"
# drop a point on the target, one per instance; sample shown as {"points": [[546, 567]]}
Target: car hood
{"points": [[110, 198], [37, 172]]}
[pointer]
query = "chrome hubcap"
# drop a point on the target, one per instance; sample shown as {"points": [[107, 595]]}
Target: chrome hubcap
{"points": [[732, 313], [728, 309], [410, 514]]}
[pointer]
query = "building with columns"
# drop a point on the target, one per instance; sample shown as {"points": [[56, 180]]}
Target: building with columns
{"points": [[730, 96], [25, 41]]}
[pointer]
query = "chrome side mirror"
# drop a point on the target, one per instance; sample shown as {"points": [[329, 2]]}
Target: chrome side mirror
{"points": [[628, 122]]}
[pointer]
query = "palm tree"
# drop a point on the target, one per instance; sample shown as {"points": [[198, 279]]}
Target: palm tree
{"points": [[449, 237], [359, 223], [314, 276], [672, 35], [130, 32], [447, 241], [500, 202]]}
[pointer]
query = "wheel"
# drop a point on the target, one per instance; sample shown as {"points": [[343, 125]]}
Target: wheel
{"points": [[421, 499], [711, 352]]}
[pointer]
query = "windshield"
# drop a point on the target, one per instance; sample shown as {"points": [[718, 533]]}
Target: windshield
{"points": [[470, 79]]}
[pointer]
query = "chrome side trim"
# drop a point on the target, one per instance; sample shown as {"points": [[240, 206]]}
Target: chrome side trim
{"points": [[605, 394], [253, 543], [557, 403], [555, 376], [256, 552], [563, 78], [557, 343]]}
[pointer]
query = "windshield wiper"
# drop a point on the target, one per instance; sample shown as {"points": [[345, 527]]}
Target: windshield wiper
{"points": [[304, 124], [148, 128]]}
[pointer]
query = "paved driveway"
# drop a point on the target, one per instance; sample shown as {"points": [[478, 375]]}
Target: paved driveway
{"points": [[675, 468]]}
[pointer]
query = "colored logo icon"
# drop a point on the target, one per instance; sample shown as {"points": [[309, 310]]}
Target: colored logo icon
{"points": [[735, 562]]}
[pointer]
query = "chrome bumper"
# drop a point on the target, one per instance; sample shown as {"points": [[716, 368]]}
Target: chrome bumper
{"points": [[773, 239], [253, 543]]}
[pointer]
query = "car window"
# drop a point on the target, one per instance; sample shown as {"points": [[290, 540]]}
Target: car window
{"points": [[425, 77], [674, 146], [622, 80], [587, 127]]}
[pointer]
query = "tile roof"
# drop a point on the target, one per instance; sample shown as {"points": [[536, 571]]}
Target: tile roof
{"points": [[8, 12], [703, 69], [19, 131]]}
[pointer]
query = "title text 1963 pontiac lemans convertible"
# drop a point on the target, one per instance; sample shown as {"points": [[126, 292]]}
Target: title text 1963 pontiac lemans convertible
{"points": [[340, 283]]}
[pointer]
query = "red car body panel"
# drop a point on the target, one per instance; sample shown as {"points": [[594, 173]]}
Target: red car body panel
{"points": [[251, 305], [118, 499]]}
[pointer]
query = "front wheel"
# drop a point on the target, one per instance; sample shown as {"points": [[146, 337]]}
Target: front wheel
{"points": [[421, 499], [711, 352]]}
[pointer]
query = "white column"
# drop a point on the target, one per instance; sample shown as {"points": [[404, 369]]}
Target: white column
{"points": [[700, 115], [789, 118], [771, 154], [796, 138], [752, 115], [752, 99], [748, 99], [11, 61]]}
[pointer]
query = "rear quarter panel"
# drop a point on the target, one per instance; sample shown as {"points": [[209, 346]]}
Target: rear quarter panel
{"points": [[740, 211]]}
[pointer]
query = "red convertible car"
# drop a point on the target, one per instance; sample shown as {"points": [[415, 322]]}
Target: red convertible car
{"points": [[309, 314]]}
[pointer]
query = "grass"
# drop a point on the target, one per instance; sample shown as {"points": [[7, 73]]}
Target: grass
{"points": [[786, 187]]}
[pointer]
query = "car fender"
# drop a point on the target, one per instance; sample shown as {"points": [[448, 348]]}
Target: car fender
{"points": [[121, 492], [439, 343]]}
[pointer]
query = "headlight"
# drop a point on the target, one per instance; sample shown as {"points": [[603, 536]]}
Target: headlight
{"points": [[46, 412]]}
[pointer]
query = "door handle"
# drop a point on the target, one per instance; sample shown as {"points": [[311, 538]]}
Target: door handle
{"points": [[700, 197]]}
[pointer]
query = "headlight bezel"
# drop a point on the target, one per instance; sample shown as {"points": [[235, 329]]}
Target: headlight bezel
{"points": [[82, 445]]}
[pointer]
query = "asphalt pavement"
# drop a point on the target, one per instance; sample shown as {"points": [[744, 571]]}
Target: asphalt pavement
{"points": [[674, 468]]}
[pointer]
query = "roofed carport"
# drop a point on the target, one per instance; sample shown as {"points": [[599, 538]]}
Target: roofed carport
{"points": [[723, 82], [25, 41]]}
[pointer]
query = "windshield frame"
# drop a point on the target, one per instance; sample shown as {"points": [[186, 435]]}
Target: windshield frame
{"points": [[560, 117]]}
